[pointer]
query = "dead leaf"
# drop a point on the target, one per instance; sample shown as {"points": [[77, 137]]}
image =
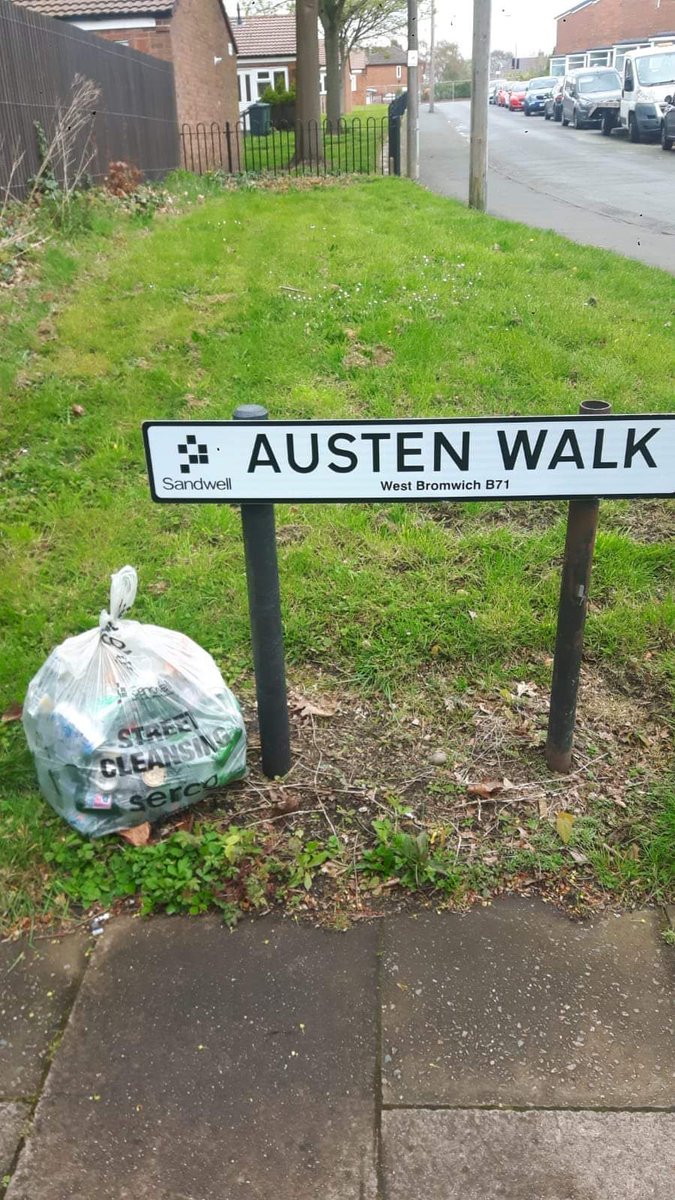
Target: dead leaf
{"points": [[526, 689], [158, 587], [13, 713], [543, 806], [564, 823], [77, 410], [473, 615], [138, 836], [285, 802], [578, 856], [485, 789], [300, 706]]}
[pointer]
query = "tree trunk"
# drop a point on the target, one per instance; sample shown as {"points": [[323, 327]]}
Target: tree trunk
{"points": [[333, 74], [308, 134]]}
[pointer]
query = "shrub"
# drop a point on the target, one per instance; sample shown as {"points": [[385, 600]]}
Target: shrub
{"points": [[123, 178]]}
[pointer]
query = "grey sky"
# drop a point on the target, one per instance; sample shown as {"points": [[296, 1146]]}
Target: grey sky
{"points": [[525, 25]]}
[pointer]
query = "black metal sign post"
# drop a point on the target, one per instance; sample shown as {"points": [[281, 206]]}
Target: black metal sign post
{"points": [[258, 463], [582, 525], [267, 634]]}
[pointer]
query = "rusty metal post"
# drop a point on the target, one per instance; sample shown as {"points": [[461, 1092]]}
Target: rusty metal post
{"points": [[582, 524]]}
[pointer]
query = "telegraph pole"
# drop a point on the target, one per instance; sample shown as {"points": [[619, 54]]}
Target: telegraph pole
{"points": [[480, 80], [432, 58], [413, 110]]}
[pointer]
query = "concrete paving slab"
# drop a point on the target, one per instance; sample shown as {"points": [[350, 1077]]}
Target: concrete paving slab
{"points": [[38, 984], [200, 1064], [515, 1004], [460, 1155], [13, 1122]]}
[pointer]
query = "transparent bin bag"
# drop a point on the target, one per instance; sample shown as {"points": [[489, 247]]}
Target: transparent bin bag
{"points": [[130, 722]]}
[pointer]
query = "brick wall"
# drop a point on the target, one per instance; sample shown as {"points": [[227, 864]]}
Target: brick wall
{"points": [[384, 77], [205, 91], [611, 21], [155, 41]]}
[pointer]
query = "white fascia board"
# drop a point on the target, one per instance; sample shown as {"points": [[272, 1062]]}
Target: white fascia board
{"points": [[116, 23], [258, 61]]}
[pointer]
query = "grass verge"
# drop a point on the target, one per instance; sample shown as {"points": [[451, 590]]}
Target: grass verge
{"points": [[368, 299]]}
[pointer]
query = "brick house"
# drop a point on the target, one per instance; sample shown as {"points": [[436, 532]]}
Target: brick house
{"points": [[598, 33], [195, 35], [266, 56], [385, 74]]}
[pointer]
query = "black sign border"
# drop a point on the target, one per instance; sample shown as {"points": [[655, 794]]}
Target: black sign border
{"points": [[389, 498]]}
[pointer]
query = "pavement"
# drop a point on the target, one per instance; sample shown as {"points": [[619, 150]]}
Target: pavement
{"points": [[594, 190], [503, 1054]]}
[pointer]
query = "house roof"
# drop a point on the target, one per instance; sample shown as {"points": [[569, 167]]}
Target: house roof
{"points": [[267, 36], [271, 36], [575, 8], [384, 58], [72, 9], [97, 8]]}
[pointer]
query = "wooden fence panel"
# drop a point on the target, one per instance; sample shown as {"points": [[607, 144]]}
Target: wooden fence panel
{"points": [[135, 118]]}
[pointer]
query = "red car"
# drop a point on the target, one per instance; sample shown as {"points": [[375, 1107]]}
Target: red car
{"points": [[517, 97]]}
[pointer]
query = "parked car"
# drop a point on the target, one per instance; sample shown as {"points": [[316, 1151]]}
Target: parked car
{"points": [[495, 88], [517, 97], [538, 91], [668, 124], [553, 105], [504, 93], [584, 94]]}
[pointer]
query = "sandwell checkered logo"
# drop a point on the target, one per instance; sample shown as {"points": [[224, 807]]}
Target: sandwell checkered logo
{"points": [[192, 453]]}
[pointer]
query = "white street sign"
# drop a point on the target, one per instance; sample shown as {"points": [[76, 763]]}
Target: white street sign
{"points": [[507, 458]]}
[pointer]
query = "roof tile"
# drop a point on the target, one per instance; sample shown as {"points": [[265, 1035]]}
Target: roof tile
{"points": [[97, 8]]}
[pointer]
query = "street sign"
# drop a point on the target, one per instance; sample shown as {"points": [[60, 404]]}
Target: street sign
{"points": [[484, 458]]}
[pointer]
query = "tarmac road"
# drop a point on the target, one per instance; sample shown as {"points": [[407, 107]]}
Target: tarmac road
{"points": [[594, 190]]}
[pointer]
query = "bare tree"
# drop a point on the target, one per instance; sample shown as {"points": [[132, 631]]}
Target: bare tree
{"points": [[346, 23]]}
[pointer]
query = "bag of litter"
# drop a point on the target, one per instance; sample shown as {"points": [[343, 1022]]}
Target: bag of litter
{"points": [[130, 722]]}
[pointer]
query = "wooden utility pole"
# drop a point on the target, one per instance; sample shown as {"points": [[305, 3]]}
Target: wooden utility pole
{"points": [[413, 110], [480, 81], [432, 58]]}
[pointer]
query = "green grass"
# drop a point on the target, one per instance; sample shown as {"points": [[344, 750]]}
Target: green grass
{"points": [[357, 148], [374, 299]]}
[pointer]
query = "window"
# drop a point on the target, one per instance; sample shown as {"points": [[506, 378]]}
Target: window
{"points": [[262, 81], [322, 83], [656, 69], [620, 55], [575, 61], [399, 72], [352, 81], [239, 88], [247, 81], [600, 81], [280, 80], [598, 58], [629, 83]]}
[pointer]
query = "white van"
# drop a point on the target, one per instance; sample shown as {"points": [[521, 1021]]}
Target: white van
{"points": [[648, 77]]}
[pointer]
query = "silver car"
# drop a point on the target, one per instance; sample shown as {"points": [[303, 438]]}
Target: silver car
{"points": [[586, 90]]}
